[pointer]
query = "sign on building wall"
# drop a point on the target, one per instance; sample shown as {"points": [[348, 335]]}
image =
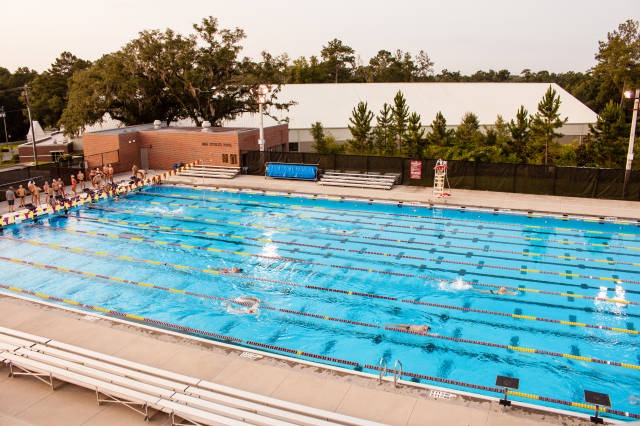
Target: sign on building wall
{"points": [[416, 169]]}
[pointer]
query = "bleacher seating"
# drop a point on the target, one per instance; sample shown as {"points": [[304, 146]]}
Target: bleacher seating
{"points": [[208, 171], [148, 390], [359, 180]]}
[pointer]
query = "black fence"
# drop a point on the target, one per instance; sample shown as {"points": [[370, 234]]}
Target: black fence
{"points": [[501, 177], [21, 175]]}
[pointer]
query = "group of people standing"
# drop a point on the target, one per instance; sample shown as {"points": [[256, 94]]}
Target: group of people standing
{"points": [[56, 190]]}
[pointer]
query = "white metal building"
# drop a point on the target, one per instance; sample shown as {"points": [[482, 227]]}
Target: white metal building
{"points": [[332, 104]]}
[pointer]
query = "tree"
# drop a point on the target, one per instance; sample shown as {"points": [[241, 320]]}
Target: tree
{"points": [[324, 144], [618, 64], [520, 132], [546, 121], [468, 140], [413, 139], [49, 90], [384, 142], [360, 129], [399, 117], [498, 140], [339, 59], [167, 76], [608, 143], [12, 99], [319, 138], [424, 66], [439, 138]]}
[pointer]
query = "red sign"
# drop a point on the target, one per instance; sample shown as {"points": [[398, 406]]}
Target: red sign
{"points": [[416, 169]]}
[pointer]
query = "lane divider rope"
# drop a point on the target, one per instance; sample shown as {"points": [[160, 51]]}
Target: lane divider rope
{"points": [[313, 287], [311, 355], [328, 318]]}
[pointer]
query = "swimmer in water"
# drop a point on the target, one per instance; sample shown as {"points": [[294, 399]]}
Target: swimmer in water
{"points": [[234, 270], [418, 329], [501, 290], [252, 302]]}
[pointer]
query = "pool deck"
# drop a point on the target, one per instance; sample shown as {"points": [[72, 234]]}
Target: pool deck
{"points": [[25, 401]]}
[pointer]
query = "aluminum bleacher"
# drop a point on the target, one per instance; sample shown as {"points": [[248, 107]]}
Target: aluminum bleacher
{"points": [[359, 180], [213, 172], [148, 390]]}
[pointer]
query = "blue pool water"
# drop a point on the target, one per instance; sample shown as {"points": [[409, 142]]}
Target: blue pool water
{"points": [[332, 274]]}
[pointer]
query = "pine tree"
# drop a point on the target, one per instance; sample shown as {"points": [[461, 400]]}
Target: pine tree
{"points": [[361, 129], [520, 133], [439, 138], [468, 140], [609, 142], [413, 140], [383, 132], [545, 122], [319, 139], [400, 115]]}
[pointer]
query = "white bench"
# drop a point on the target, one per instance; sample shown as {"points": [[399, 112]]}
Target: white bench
{"points": [[148, 390]]}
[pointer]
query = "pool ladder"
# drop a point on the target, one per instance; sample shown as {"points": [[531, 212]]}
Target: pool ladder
{"points": [[397, 370]]}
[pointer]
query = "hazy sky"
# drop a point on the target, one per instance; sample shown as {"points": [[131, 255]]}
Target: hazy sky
{"points": [[464, 35]]}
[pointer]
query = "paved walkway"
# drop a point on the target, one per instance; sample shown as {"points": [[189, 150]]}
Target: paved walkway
{"points": [[25, 401]]}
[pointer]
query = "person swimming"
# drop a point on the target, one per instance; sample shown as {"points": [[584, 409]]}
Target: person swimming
{"points": [[418, 329], [501, 290], [234, 270], [253, 304]]}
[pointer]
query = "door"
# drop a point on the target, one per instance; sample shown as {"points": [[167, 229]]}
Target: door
{"points": [[144, 158]]}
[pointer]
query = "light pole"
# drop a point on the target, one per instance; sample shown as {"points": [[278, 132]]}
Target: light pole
{"points": [[3, 115], [33, 133], [632, 136], [262, 92]]}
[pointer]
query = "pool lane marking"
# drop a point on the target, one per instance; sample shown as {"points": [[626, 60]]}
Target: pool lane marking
{"points": [[523, 289], [450, 234], [350, 238], [316, 356], [390, 328], [312, 287], [421, 227], [434, 260], [434, 220]]}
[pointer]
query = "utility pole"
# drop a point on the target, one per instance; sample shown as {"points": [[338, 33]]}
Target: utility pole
{"points": [[3, 115], [33, 133]]}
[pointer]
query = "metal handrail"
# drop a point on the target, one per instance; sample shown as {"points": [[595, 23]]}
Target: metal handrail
{"points": [[397, 376], [383, 370]]}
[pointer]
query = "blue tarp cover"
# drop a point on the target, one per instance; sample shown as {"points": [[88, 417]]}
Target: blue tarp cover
{"points": [[292, 171]]}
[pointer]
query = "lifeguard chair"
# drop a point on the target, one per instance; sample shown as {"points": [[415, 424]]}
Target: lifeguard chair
{"points": [[441, 186]]}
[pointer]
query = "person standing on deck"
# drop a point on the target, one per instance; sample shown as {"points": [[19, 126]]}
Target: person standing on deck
{"points": [[11, 198], [21, 193]]}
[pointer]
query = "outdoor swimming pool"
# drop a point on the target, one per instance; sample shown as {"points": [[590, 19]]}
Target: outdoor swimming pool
{"points": [[333, 275]]}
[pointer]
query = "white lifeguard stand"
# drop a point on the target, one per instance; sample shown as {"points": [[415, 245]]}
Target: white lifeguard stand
{"points": [[440, 180]]}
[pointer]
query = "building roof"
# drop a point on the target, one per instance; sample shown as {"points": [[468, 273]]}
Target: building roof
{"points": [[332, 104]]}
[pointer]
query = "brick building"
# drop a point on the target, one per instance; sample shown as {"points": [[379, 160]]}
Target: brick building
{"points": [[156, 146]]}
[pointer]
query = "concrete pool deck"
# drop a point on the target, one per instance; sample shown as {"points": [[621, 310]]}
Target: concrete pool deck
{"points": [[25, 401]]}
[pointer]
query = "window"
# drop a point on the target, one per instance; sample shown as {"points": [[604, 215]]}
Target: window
{"points": [[225, 158], [234, 158], [293, 146]]}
